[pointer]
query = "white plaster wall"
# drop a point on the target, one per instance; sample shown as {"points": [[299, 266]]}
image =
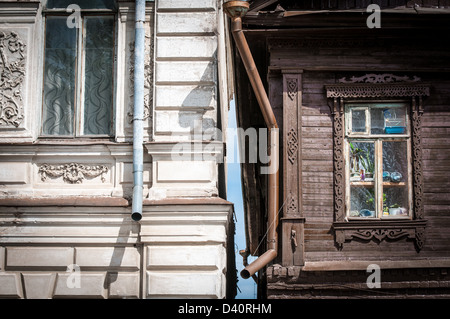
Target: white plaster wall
{"points": [[181, 248]]}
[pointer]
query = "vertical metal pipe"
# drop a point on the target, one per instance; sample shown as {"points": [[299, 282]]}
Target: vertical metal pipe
{"points": [[138, 111], [236, 10]]}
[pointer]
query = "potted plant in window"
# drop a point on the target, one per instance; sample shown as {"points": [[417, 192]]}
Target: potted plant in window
{"points": [[370, 201], [355, 158], [369, 167]]}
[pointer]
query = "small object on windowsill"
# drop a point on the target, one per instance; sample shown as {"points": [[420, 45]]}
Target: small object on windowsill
{"points": [[397, 211], [386, 177], [355, 177], [367, 213], [354, 213], [396, 177], [363, 177], [395, 129]]}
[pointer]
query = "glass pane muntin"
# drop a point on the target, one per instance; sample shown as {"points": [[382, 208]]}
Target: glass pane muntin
{"points": [[381, 190], [375, 124], [79, 92]]}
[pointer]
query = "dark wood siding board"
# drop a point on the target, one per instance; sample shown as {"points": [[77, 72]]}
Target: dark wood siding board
{"points": [[321, 132], [313, 121], [395, 58], [437, 198], [321, 109], [343, 4], [436, 142], [436, 119], [317, 166], [317, 155], [436, 132], [320, 189], [438, 188]]}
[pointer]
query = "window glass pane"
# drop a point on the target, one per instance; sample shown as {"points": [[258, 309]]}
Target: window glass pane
{"points": [[362, 184], [98, 82], [362, 161], [83, 4], [395, 178], [376, 120], [394, 120], [362, 201], [358, 120], [59, 77]]}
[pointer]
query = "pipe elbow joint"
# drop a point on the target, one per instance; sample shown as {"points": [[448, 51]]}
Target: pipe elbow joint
{"points": [[259, 263]]}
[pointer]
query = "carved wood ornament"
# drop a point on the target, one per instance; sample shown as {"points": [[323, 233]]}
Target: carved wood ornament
{"points": [[292, 222], [292, 145], [368, 87]]}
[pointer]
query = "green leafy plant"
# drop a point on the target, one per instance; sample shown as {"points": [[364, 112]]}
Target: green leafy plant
{"points": [[363, 157], [367, 163], [356, 151], [371, 199], [356, 154]]}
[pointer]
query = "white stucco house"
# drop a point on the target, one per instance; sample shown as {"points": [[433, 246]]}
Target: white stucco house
{"points": [[66, 151]]}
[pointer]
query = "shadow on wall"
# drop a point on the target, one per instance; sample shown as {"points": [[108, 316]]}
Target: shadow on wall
{"points": [[127, 227], [201, 106]]}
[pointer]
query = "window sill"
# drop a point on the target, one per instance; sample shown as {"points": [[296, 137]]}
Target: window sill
{"points": [[371, 219], [74, 141], [389, 229]]}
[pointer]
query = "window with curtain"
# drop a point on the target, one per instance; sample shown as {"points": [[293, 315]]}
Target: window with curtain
{"points": [[78, 69]]}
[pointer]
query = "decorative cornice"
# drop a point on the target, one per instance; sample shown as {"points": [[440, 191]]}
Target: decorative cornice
{"points": [[72, 173], [376, 90], [379, 78]]}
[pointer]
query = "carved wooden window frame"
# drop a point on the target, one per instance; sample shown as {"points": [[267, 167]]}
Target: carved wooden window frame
{"points": [[338, 94]]}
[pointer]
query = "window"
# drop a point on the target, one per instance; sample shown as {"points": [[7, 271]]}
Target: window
{"points": [[78, 70], [377, 144], [382, 138]]}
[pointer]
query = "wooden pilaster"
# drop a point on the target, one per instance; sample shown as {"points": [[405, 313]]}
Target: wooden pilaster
{"points": [[292, 219]]}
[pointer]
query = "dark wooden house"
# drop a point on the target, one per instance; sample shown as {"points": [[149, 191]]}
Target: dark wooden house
{"points": [[362, 100]]}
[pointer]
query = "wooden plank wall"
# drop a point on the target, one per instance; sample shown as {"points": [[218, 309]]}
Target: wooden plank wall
{"points": [[317, 165], [317, 148], [436, 160], [353, 4]]}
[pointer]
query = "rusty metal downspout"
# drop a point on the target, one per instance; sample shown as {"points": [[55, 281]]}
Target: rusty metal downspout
{"points": [[236, 10]]}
